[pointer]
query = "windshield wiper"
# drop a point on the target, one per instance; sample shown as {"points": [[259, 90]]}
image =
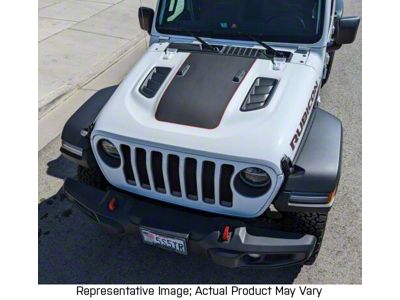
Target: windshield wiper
{"points": [[203, 43], [268, 49]]}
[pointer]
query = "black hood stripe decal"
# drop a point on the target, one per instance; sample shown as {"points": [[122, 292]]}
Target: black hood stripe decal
{"points": [[200, 97]]}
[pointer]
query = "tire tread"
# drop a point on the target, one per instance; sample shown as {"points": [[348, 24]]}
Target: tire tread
{"points": [[308, 223]]}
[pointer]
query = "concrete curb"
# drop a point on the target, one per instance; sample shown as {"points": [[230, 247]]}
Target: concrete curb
{"points": [[66, 91], [53, 118]]}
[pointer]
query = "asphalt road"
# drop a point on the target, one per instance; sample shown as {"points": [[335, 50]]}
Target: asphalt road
{"points": [[73, 250]]}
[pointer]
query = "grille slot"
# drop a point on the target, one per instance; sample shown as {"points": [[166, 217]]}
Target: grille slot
{"points": [[128, 169], [142, 168], [190, 178], [208, 182], [173, 175], [225, 191], [157, 171]]}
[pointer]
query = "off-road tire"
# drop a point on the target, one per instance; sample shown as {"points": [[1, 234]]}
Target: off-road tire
{"points": [[307, 223], [92, 176]]}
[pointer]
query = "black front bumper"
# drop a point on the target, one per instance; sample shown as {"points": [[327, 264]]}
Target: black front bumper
{"points": [[204, 230]]}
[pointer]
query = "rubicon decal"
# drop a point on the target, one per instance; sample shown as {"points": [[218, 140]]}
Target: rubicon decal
{"points": [[306, 115]]}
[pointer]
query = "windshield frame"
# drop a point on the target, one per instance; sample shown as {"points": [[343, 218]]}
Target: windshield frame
{"points": [[241, 36]]}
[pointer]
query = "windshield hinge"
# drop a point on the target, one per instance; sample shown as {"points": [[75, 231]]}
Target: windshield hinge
{"points": [[302, 49], [163, 39]]}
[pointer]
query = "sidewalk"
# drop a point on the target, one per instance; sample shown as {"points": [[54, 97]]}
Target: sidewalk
{"points": [[84, 45]]}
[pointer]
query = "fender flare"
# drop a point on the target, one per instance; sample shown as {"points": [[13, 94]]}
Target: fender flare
{"points": [[317, 167], [74, 145]]}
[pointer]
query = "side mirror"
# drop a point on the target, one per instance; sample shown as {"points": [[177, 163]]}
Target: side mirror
{"points": [[347, 28], [146, 16]]}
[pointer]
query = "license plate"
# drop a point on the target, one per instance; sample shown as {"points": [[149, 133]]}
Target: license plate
{"points": [[168, 242]]}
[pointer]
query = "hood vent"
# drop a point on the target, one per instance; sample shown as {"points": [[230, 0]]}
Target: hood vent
{"points": [[153, 81], [241, 51], [259, 94]]}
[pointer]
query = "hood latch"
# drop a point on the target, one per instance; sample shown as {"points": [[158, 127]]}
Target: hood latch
{"points": [[278, 63]]}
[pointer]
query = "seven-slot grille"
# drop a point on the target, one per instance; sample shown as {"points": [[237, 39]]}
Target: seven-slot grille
{"points": [[178, 175]]}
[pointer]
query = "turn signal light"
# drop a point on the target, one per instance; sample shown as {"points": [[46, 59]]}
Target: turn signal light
{"points": [[331, 196]]}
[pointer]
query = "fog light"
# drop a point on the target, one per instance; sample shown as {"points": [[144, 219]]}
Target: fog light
{"points": [[255, 177]]}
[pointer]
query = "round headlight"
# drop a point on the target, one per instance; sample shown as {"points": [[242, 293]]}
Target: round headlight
{"points": [[109, 149], [255, 177]]}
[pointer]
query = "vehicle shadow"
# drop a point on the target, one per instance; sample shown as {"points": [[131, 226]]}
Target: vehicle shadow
{"points": [[74, 250], [61, 168], [52, 172]]}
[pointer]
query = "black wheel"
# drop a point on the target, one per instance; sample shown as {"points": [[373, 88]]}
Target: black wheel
{"points": [[329, 67], [92, 177], [307, 223]]}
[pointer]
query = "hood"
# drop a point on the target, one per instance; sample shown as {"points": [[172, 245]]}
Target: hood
{"points": [[193, 101]]}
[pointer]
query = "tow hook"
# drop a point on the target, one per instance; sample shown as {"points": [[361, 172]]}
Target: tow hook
{"points": [[226, 234]]}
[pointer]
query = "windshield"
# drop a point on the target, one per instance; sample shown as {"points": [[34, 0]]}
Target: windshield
{"points": [[287, 21]]}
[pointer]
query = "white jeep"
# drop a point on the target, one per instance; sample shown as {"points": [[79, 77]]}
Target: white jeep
{"points": [[214, 141]]}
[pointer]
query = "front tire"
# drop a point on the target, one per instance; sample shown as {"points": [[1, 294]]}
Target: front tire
{"points": [[307, 223], [92, 176]]}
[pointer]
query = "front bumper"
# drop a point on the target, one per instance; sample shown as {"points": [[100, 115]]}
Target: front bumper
{"points": [[204, 230]]}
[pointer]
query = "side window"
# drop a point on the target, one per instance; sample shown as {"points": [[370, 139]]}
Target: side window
{"points": [[175, 9]]}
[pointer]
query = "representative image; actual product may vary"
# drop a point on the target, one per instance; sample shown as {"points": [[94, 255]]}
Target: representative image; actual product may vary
{"points": [[214, 142]]}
